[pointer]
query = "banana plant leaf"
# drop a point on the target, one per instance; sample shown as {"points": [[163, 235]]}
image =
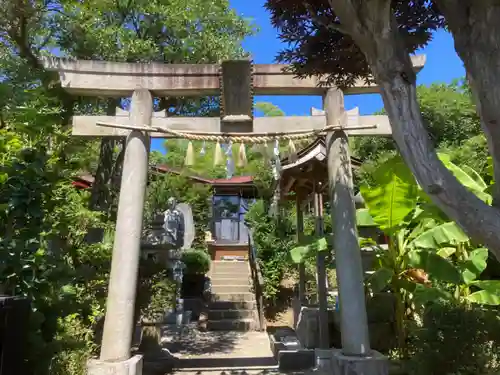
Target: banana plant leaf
{"points": [[446, 252], [489, 169], [299, 254], [380, 279], [475, 176], [474, 265], [484, 297], [470, 182], [491, 286], [364, 219], [436, 266], [309, 248], [444, 234], [423, 294], [394, 196]]}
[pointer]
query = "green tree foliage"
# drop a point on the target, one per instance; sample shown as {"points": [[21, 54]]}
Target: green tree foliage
{"points": [[268, 109], [341, 58], [449, 113], [453, 125], [44, 254], [121, 31]]}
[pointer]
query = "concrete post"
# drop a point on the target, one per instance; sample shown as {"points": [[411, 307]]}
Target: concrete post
{"points": [[324, 341], [119, 322], [300, 233], [353, 317]]}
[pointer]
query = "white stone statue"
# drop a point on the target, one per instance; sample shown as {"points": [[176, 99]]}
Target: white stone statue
{"points": [[173, 224]]}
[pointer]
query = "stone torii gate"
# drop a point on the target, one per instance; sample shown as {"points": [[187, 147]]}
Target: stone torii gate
{"points": [[236, 82]]}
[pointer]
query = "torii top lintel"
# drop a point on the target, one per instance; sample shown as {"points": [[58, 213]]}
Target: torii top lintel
{"points": [[115, 79]]}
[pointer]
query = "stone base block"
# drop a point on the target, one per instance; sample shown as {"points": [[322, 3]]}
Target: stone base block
{"points": [[375, 364], [132, 366], [323, 361], [296, 360]]}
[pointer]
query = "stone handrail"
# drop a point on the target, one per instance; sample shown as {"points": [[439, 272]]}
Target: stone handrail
{"points": [[257, 280]]}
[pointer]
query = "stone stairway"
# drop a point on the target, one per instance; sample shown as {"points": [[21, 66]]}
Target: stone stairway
{"points": [[232, 306]]}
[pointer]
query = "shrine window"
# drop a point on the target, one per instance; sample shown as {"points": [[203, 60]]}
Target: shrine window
{"points": [[228, 219]]}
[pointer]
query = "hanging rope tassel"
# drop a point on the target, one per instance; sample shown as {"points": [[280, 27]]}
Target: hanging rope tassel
{"points": [[292, 151], [218, 154], [265, 153], [189, 159], [242, 156]]}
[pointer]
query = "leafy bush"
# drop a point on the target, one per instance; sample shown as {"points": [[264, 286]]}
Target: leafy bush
{"points": [[273, 238], [44, 255], [456, 339], [196, 261], [155, 291], [75, 346]]}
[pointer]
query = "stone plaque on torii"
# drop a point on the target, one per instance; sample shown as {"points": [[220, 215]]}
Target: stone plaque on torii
{"points": [[236, 82]]}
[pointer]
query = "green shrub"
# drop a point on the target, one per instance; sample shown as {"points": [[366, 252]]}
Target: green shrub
{"points": [[155, 291], [75, 346], [196, 261], [274, 237], [456, 339]]}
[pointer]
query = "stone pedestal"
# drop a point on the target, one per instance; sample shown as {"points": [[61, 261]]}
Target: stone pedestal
{"points": [[323, 361], [375, 364], [307, 327], [296, 306], [131, 366]]}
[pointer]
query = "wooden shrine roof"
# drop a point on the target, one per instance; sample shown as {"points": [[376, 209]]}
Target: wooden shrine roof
{"points": [[85, 180], [309, 169]]}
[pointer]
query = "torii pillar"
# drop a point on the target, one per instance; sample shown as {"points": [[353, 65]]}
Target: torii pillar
{"points": [[120, 306], [356, 356]]}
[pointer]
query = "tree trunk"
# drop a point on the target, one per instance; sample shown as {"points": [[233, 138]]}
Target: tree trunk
{"points": [[372, 26], [99, 200], [476, 31], [101, 188], [101, 197], [115, 185]]}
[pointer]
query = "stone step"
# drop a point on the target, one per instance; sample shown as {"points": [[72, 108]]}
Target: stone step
{"points": [[237, 266], [228, 288], [232, 325], [236, 280], [231, 314], [257, 370], [233, 297], [232, 305], [229, 275]]}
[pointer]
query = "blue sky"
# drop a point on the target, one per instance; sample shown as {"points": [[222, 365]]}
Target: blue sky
{"points": [[443, 65]]}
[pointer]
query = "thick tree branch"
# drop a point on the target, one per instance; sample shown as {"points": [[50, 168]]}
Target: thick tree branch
{"points": [[374, 29], [476, 31], [325, 21], [101, 192]]}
